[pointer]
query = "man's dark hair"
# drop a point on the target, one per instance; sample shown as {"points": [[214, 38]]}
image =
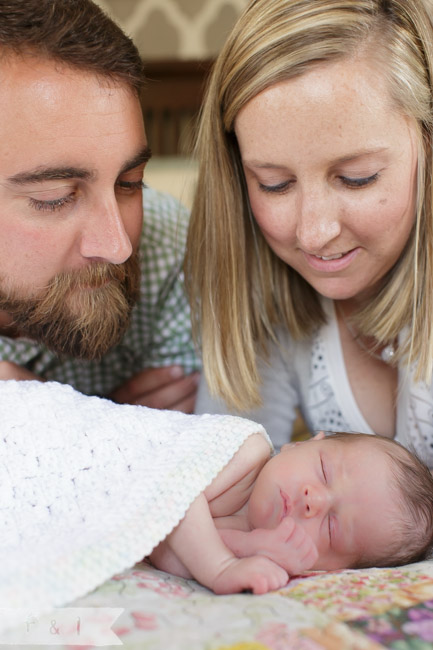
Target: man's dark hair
{"points": [[76, 33]]}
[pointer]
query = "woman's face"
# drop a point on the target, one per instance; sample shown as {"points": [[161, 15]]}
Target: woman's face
{"points": [[331, 168]]}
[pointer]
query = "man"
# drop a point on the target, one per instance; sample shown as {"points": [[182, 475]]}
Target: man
{"points": [[91, 293]]}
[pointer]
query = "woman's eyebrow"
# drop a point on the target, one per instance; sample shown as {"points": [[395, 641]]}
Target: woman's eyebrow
{"points": [[262, 165], [354, 155], [362, 153]]}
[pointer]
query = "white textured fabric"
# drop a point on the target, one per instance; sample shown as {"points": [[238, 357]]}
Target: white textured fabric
{"points": [[311, 374], [89, 487]]}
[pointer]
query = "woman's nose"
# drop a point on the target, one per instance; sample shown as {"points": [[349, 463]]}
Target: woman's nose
{"points": [[314, 501], [318, 222]]}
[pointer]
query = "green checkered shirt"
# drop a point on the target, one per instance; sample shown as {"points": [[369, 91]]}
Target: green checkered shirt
{"points": [[159, 333]]}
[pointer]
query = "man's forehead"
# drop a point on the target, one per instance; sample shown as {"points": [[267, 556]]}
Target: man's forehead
{"points": [[33, 59], [56, 126], [39, 82]]}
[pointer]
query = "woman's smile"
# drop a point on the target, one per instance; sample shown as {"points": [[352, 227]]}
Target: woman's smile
{"points": [[331, 263]]}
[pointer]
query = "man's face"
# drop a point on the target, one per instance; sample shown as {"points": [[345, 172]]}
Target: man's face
{"points": [[71, 164]]}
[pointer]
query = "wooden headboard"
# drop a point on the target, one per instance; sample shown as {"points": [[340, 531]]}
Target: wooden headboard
{"points": [[171, 100]]}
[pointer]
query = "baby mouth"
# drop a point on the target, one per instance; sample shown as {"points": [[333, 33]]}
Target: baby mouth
{"points": [[287, 506]]}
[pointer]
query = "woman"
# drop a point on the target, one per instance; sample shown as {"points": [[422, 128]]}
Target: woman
{"points": [[310, 244]]}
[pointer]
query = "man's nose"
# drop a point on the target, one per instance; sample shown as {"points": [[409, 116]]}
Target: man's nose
{"points": [[318, 222], [104, 237], [314, 501]]}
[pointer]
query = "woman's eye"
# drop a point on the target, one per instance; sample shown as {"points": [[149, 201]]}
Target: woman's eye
{"points": [[280, 188], [359, 182], [51, 205]]}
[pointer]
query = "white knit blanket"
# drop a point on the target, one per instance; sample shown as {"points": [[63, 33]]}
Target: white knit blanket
{"points": [[88, 487]]}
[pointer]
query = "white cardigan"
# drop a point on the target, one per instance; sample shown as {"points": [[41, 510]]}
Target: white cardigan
{"points": [[312, 375]]}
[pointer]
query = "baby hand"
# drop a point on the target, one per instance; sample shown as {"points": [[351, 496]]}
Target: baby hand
{"points": [[289, 545], [256, 574]]}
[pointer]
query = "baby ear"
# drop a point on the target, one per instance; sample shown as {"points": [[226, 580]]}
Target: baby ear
{"points": [[289, 445], [318, 436]]}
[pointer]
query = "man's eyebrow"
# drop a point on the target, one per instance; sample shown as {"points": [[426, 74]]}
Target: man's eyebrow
{"points": [[41, 174], [141, 158]]}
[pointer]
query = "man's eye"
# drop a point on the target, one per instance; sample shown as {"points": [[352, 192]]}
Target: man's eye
{"points": [[51, 205], [131, 186], [359, 182]]}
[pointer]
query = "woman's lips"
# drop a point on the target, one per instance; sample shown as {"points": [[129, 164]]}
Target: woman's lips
{"points": [[331, 263], [287, 506]]}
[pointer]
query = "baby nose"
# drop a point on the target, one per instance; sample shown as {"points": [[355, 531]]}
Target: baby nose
{"points": [[314, 500]]}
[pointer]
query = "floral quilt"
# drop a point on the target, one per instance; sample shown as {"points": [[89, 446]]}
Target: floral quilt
{"points": [[343, 610]]}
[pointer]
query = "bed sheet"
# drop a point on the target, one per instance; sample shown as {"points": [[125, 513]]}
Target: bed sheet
{"points": [[343, 610]]}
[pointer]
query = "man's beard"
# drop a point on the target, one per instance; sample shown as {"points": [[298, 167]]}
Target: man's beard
{"points": [[81, 313]]}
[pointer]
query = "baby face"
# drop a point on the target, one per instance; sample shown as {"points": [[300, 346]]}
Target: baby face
{"points": [[340, 492]]}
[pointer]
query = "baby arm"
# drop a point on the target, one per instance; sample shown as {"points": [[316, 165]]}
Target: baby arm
{"points": [[287, 545], [195, 548]]}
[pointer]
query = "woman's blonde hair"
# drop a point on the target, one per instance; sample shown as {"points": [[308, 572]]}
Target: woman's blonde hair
{"points": [[240, 291]]}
